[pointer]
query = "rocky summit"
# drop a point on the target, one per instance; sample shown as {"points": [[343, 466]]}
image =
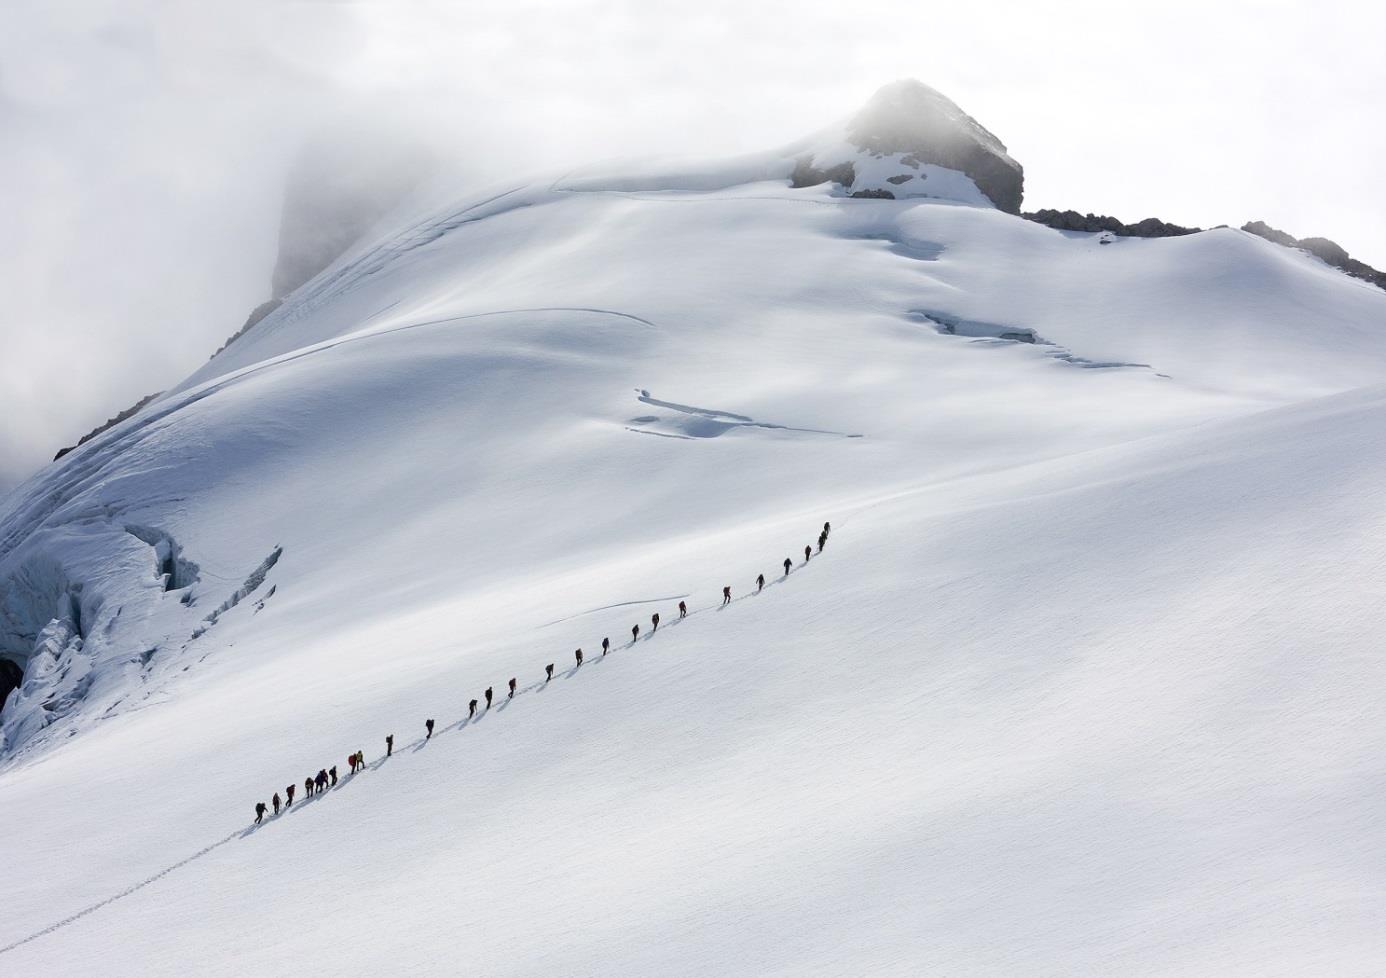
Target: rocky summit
{"points": [[902, 142]]}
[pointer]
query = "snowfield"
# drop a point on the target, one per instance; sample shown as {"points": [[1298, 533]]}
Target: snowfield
{"points": [[1086, 682]]}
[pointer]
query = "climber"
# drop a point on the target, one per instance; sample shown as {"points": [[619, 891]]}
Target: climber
{"points": [[471, 709], [634, 633], [512, 688], [787, 564], [332, 773], [488, 697], [726, 595], [429, 725], [578, 655], [606, 646], [683, 610], [276, 802], [389, 745], [654, 622], [760, 583], [548, 672], [808, 552], [289, 796], [259, 812]]}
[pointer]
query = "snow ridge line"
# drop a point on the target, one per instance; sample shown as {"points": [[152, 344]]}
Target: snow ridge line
{"points": [[87, 465], [416, 744]]}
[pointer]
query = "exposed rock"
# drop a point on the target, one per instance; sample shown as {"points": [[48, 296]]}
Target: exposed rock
{"points": [[908, 124], [1264, 230], [910, 117], [807, 175], [1328, 251], [128, 412], [11, 677], [1151, 227], [257, 314]]}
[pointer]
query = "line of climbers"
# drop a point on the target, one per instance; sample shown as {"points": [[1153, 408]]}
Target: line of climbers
{"points": [[327, 777]]}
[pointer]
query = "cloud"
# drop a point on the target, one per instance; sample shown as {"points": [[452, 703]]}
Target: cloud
{"points": [[146, 143]]}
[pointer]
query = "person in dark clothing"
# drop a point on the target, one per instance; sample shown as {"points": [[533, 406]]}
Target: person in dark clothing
{"points": [[276, 802], [726, 595], [827, 528], [389, 745], [606, 646], [259, 812], [489, 694], [429, 725], [808, 552], [320, 782], [578, 655], [332, 773], [351, 763], [822, 539], [308, 787], [512, 688], [548, 672], [683, 610], [289, 796], [760, 583], [634, 633], [471, 710], [787, 564], [654, 622]]}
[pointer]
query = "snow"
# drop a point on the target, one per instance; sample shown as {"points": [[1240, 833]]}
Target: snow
{"points": [[1085, 682]]}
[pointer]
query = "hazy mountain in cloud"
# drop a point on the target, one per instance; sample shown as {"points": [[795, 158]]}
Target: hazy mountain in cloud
{"points": [[342, 183], [904, 129], [344, 180]]}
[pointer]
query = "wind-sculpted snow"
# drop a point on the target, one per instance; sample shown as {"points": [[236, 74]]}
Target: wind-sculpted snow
{"points": [[1095, 641]]}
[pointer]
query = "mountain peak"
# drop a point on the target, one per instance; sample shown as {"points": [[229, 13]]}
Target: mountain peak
{"points": [[916, 126], [909, 117]]}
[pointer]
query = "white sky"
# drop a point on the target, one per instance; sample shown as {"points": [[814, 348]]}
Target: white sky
{"points": [[143, 145]]}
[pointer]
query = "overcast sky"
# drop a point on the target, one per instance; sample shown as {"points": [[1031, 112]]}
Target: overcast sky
{"points": [[144, 145]]}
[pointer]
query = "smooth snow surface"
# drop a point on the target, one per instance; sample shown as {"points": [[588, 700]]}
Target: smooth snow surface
{"points": [[1087, 681]]}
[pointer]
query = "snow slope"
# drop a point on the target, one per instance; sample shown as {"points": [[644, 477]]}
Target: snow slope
{"points": [[1085, 683]]}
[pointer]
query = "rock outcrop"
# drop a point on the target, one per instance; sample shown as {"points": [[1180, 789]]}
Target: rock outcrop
{"points": [[911, 118], [1151, 227], [903, 135], [11, 677], [110, 422], [1328, 251]]}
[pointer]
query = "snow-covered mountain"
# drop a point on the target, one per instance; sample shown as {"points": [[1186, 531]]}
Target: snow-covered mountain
{"points": [[1086, 680]]}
